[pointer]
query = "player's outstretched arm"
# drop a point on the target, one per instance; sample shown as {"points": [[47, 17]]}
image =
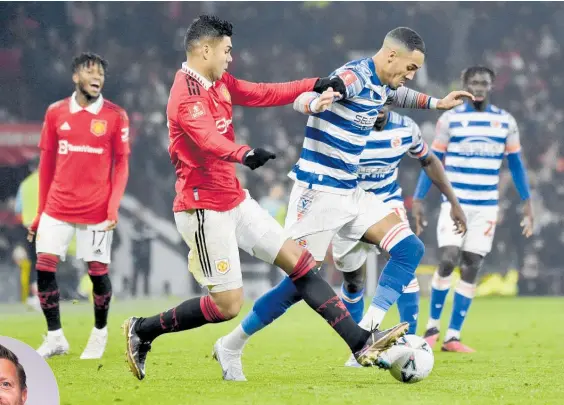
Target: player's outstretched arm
{"points": [[249, 94], [519, 175], [407, 98]]}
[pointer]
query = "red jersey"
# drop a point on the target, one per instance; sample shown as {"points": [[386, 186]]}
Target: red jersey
{"points": [[80, 148], [202, 138]]}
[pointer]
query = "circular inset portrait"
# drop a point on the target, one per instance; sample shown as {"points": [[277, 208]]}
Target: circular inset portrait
{"points": [[25, 377]]}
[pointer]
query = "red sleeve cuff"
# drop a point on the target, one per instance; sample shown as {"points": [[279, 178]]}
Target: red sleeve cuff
{"points": [[241, 154]]}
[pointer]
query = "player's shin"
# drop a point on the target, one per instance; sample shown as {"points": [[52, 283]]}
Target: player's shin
{"points": [[320, 296], [191, 314], [408, 306], [463, 295], [352, 293], [102, 292], [48, 290], [406, 251], [266, 309]]}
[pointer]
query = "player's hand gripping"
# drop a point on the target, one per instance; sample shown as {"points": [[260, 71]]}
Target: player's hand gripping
{"points": [[257, 157], [335, 83], [418, 212], [528, 220], [459, 219], [112, 223], [324, 101], [454, 99]]}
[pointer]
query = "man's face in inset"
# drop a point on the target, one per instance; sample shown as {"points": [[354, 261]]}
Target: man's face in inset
{"points": [[11, 393]]}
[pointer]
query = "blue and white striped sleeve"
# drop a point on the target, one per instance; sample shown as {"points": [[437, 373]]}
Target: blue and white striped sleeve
{"points": [[419, 149]]}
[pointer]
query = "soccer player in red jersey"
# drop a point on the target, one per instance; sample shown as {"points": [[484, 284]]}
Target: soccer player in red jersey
{"points": [[83, 172], [216, 217]]}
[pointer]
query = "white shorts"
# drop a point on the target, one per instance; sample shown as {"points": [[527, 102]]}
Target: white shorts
{"points": [[350, 254], [481, 223], [314, 217], [93, 244], [214, 239]]}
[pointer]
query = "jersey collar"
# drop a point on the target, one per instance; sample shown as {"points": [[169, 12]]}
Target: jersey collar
{"points": [[195, 75], [93, 108]]}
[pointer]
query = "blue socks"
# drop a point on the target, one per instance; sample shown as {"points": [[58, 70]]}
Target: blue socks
{"points": [[271, 306], [354, 303], [408, 306]]}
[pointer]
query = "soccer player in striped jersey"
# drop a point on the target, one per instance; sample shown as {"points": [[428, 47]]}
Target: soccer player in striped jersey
{"points": [[393, 137], [325, 198], [473, 139]]}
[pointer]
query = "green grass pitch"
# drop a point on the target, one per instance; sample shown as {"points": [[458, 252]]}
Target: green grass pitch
{"points": [[299, 360]]}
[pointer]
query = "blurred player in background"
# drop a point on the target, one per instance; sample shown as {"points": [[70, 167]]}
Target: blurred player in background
{"points": [[215, 216], [25, 255], [83, 173], [473, 139], [326, 200]]}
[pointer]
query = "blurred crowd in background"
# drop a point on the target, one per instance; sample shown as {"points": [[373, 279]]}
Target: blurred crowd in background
{"points": [[143, 43]]}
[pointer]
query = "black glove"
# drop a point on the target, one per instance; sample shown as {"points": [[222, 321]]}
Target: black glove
{"points": [[257, 157], [335, 82]]}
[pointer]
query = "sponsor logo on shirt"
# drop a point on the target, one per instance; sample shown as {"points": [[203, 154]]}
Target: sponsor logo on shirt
{"points": [[222, 125], [197, 110], [65, 147], [98, 127]]}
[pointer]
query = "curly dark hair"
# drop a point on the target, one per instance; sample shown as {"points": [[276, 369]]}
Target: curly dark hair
{"points": [[86, 59]]}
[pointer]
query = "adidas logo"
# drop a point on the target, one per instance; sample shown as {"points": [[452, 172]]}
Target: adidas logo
{"points": [[65, 127]]}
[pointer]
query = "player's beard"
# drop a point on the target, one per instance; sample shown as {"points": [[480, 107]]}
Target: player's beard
{"points": [[89, 98]]}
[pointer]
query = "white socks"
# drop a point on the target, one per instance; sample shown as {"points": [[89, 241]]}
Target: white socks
{"points": [[235, 340], [373, 318]]}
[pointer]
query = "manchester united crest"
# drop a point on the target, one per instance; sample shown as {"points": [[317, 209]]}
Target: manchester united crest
{"points": [[98, 127], [222, 266], [225, 94]]}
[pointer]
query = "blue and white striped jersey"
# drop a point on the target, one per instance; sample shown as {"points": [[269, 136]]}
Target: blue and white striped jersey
{"points": [[378, 168], [335, 138], [474, 144]]}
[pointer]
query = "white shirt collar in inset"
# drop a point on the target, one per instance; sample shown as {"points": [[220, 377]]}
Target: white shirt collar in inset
{"points": [[93, 108], [195, 75]]}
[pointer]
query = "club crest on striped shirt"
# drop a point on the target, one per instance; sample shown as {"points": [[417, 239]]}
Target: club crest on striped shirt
{"points": [[396, 142]]}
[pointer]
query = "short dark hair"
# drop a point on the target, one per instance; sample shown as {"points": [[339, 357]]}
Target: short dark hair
{"points": [[472, 70], [7, 354], [408, 37], [86, 59], [206, 26]]}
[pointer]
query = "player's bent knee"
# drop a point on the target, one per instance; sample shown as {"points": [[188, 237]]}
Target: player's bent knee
{"points": [[229, 303], [470, 266], [47, 262], [449, 260], [97, 268]]}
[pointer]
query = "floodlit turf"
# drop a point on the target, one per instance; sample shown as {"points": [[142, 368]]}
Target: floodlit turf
{"points": [[299, 360]]}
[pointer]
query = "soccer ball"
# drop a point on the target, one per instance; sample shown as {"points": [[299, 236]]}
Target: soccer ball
{"points": [[411, 359]]}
